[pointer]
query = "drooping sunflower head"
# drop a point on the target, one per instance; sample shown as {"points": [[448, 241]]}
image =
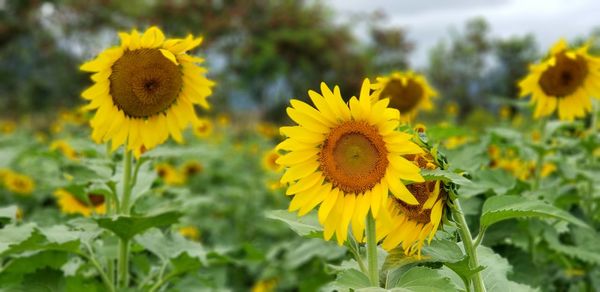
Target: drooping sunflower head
{"points": [[408, 92], [18, 183], [345, 158], [409, 226], [565, 81], [72, 204], [145, 90]]}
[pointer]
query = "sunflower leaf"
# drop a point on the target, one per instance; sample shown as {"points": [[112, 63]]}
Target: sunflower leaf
{"points": [[304, 226], [445, 175], [127, 227], [500, 208], [352, 279], [424, 279]]}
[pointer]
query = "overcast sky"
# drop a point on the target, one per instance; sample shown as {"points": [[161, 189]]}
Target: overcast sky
{"points": [[428, 21]]}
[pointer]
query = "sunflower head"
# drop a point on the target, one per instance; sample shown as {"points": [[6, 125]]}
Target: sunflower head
{"points": [[192, 168], [189, 232], [87, 205], [345, 158], [169, 174], [269, 161], [203, 128], [7, 126], [409, 226], [565, 82], [65, 149], [18, 183], [408, 92], [145, 90]]}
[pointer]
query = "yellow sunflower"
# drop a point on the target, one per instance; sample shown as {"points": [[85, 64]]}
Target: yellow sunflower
{"points": [[203, 128], [63, 147], [169, 174], [7, 126], [71, 204], [269, 161], [192, 168], [408, 92], [345, 158], [18, 183], [145, 90], [565, 81], [407, 225], [190, 232]]}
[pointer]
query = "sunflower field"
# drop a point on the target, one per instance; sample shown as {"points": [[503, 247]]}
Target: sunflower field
{"points": [[264, 146]]}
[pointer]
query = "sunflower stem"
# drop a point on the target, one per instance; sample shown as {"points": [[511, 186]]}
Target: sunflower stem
{"points": [[372, 251], [124, 210], [467, 240], [541, 155]]}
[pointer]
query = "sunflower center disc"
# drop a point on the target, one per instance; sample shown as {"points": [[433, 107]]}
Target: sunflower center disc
{"points": [[403, 97], [564, 77], [144, 83], [95, 200], [353, 157]]}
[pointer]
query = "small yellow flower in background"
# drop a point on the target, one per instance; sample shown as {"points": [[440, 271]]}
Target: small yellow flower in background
{"points": [[203, 128], [18, 183], [269, 161], [192, 168], [71, 204], [274, 185], [536, 136], [169, 174], [63, 147], [452, 109], [145, 90], [7, 126], [19, 215], [455, 141], [346, 158], [574, 272], [267, 130], [408, 92], [505, 112], [547, 169], [596, 152], [224, 120], [190, 232], [267, 285], [407, 225], [564, 82]]}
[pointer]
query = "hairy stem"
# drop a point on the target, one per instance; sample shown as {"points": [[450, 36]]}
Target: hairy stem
{"points": [[124, 210], [372, 251], [467, 240]]}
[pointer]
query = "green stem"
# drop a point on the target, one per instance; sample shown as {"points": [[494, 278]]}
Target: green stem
{"points": [[467, 239], [541, 155], [355, 250], [372, 251], [92, 259], [124, 210]]}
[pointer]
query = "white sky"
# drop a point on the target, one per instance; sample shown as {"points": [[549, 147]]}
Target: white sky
{"points": [[428, 21]]}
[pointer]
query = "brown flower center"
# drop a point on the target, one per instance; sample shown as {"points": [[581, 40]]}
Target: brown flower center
{"points": [[354, 157], [564, 77], [144, 83], [94, 199], [421, 192], [403, 97]]}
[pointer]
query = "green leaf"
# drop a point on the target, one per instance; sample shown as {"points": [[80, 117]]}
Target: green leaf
{"points": [[422, 279], [307, 225], [495, 273], [500, 208], [312, 248], [352, 279], [146, 176], [396, 258], [444, 175], [170, 247], [445, 251], [496, 180], [126, 227], [8, 214], [12, 235]]}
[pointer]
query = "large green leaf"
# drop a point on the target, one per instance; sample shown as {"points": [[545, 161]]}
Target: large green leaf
{"points": [[496, 180], [495, 273], [445, 251], [500, 208], [126, 227], [8, 214], [307, 225], [170, 246], [422, 279], [445, 175], [352, 279]]}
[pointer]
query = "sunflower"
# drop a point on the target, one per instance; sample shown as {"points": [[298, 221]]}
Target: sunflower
{"points": [[564, 81], [71, 204], [18, 183], [203, 128], [190, 232], [63, 147], [145, 90], [192, 168], [269, 161], [266, 285], [409, 226], [408, 92], [345, 158], [7, 126], [169, 174]]}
